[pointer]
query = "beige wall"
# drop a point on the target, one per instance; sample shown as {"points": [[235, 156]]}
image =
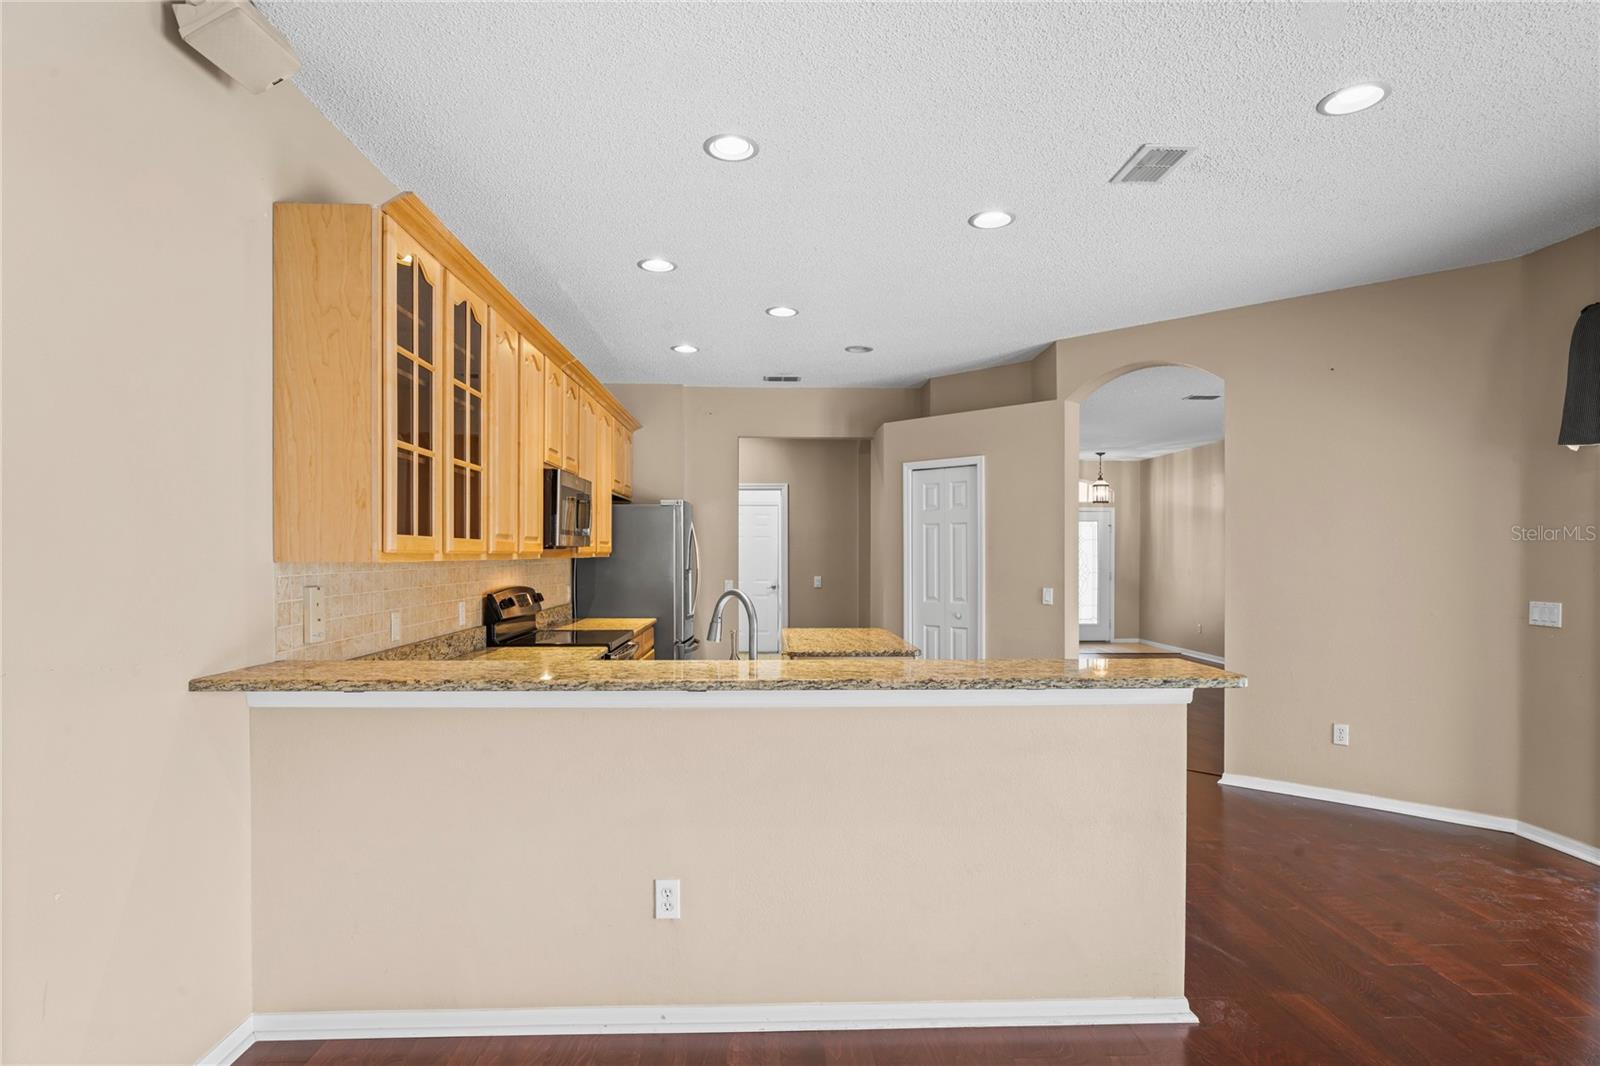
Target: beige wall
{"points": [[1181, 557], [688, 447], [1127, 489], [1028, 497], [1559, 677], [977, 390], [1376, 444], [138, 187], [814, 846], [826, 512]]}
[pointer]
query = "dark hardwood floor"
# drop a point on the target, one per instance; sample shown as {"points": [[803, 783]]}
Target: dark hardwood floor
{"points": [[1317, 934]]}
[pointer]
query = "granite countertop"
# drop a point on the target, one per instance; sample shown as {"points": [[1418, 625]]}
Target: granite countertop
{"points": [[636, 625], [834, 643], [540, 657], [715, 675]]}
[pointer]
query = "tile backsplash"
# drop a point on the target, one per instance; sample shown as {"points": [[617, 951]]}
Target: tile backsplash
{"points": [[361, 596]]}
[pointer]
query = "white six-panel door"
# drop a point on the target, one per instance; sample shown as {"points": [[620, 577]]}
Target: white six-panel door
{"points": [[762, 560], [944, 559]]}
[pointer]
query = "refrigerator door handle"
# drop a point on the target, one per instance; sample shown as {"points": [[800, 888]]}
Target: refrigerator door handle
{"points": [[694, 574]]}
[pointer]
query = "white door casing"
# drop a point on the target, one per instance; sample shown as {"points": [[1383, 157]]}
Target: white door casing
{"points": [[764, 558], [1097, 545], [945, 538]]}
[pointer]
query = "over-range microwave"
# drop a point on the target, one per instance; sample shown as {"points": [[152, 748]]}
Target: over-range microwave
{"points": [[568, 510]]}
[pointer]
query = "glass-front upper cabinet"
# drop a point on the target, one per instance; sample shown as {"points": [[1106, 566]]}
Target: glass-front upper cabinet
{"points": [[466, 487], [412, 301]]}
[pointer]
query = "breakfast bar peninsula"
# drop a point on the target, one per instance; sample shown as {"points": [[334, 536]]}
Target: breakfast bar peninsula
{"points": [[472, 846]]}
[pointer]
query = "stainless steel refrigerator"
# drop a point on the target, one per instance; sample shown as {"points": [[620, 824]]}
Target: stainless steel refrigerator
{"points": [[653, 572]]}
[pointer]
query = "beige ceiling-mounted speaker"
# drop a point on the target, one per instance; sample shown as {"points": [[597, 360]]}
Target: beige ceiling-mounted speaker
{"points": [[235, 37]]}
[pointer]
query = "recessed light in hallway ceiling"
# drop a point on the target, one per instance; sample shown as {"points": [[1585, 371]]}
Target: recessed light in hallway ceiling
{"points": [[730, 148], [685, 349], [990, 220], [782, 312], [857, 349], [1352, 98], [657, 266]]}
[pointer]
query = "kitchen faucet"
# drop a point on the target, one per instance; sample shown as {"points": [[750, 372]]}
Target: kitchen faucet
{"points": [[714, 631]]}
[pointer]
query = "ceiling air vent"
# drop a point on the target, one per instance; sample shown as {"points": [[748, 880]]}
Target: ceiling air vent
{"points": [[781, 377], [1150, 163], [1204, 396]]}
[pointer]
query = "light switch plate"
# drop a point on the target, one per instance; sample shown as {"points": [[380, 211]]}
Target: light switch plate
{"points": [[1049, 596], [816, 582], [316, 615], [1543, 613]]}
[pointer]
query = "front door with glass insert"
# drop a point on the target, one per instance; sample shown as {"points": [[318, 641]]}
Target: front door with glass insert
{"points": [[1096, 573]]}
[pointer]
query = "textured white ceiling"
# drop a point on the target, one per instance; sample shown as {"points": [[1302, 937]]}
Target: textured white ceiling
{"points": [[562, 143], [1143, 414]]}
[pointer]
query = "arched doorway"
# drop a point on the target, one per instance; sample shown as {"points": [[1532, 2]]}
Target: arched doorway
{"points": [[1151, 497]]}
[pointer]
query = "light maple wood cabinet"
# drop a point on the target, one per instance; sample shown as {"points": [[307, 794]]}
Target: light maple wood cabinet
{"points": [[530, 476], [621, 461], [605, 461], [555, 387], [505, 435], [416, 402], [589, 465], [572, 425]]}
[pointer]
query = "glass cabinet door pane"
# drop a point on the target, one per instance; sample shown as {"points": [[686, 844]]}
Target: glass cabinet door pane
{"points": [[424, 496], [424, 348], [403, 317], [458, 502], [476, 496], [459, 341], [403, 400], [403, 524], [475, 429], [424, 408], [459, 423], [475, 355]]}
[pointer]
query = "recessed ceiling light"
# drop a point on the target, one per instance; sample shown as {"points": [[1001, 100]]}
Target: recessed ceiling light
{"points": [[685, 349], [657, 266], [1353, 98], [989, 220], [857, 349], [782, 312], [730, 148]]}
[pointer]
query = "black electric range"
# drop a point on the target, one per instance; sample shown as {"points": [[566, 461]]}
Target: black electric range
{"points": [[511, 621]]}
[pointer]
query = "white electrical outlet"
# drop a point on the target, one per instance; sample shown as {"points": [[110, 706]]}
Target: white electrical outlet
{"points": [[461, 612], [1541, 613], [1341, 734], [727, 585], [394, 625], [316, 615], [1049, 596], [816, 582], [669, 899]]}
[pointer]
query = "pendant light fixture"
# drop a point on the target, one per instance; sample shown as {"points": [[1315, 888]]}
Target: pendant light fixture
{"points": [[1100, 491]]}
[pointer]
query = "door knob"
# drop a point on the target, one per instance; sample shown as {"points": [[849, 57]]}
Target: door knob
{"points": [[958, 616]]}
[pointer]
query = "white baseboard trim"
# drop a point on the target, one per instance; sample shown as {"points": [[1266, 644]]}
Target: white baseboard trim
{"points": [[231, 1046], [1456, 816], [1201, 655], [731, 1018], [1567, 845]]}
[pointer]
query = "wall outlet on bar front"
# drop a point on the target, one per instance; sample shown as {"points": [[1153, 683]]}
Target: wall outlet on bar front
{"points": [[1341, 734], [669, 899], [316, 615], [394, 625], [461, 612]]}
